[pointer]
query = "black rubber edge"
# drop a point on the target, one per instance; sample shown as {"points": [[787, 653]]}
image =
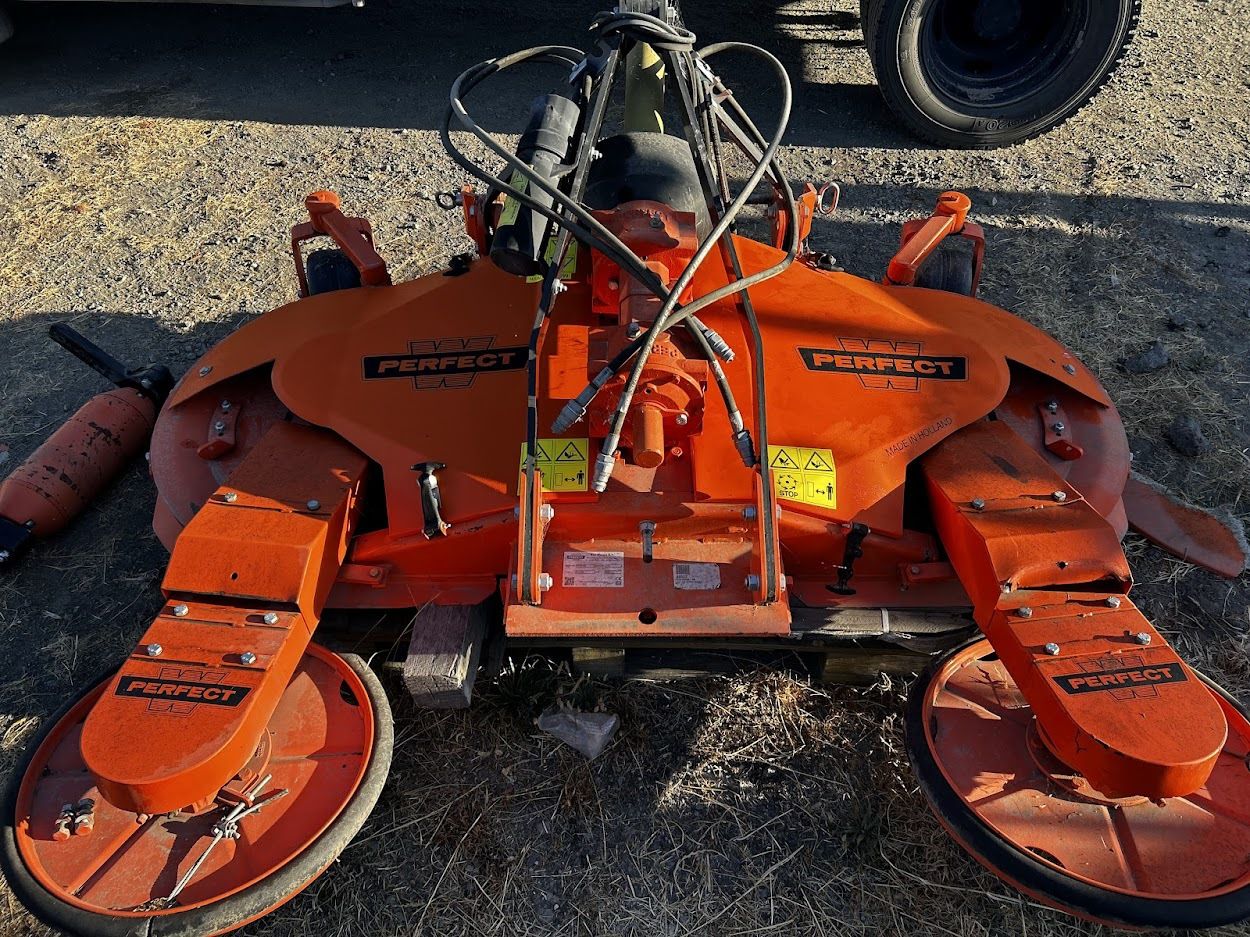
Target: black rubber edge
{"points": [[882, 19], [1020, 870], [238, 909], [950, 268], [328, 270]]}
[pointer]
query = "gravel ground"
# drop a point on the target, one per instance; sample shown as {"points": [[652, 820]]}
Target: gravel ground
{"points": [[152, 160]]}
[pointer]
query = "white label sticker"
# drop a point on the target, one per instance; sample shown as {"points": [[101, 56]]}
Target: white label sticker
{"points": [[594, 570], [696, 576]]}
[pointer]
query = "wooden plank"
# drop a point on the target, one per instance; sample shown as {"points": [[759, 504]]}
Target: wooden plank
{"points": [[599, 661], [443, 654]]}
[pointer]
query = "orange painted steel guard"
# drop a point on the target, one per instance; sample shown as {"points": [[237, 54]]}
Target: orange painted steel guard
{"points": [[354, 237], [1047, 581], [247, 581]]}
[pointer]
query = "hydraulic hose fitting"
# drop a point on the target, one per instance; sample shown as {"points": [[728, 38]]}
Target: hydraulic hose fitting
{"points": [[604, 463]]}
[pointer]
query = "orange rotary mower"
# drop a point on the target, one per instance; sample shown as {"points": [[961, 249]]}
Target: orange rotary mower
{"points": [[620, 424]]}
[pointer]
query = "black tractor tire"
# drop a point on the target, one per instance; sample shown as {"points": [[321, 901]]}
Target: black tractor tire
{"points": [[329, 270], [978, 74], [951, 268]]}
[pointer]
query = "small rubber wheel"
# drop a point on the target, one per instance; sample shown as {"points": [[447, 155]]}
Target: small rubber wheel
{"points": [[1183, 862], [987, 73], [329, 747], [952, 267], [329, 270]]}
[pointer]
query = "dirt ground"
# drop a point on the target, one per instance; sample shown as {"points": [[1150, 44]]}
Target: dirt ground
{"points": [[152, 160]]}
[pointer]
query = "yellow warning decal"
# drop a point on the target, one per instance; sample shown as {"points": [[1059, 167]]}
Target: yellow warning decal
{"points": [[804, 475], [567, 269], [511, 206], [563, 463]]}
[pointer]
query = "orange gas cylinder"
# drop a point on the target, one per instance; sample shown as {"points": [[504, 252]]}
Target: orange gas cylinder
{"points": [[59, 478]]}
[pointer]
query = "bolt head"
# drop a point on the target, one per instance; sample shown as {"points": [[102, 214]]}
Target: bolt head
{"points": [[748, 512], [220, 426], [752, 582], [206, 371], [271, 618], [978, 504], [1052, 405], [546, 512], [154, 650], [248, 658], [4, 555], [914, 570], [314, 505], [1058, 426], [1113, 601], [682, 419], [1059, 496], [1070, 368], [544, 581], [225, 406], [1052, 649], [657, 220], [633, 330], [230, 497], [180, 611], [1142, 638], [1024, 611]]}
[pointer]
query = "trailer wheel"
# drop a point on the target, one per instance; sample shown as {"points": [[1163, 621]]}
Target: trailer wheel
{"points": [[329, 270], [987, 73]]}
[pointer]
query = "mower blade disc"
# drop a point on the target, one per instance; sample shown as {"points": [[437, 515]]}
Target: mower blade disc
{"points": [[1182, 862], [328, 748]]}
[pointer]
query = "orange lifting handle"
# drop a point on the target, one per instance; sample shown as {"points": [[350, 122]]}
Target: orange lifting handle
{"points": [[949, 215], [353, 236]]}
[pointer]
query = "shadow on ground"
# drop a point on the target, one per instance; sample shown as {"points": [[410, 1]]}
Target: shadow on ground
{"points": [[385, 65]]}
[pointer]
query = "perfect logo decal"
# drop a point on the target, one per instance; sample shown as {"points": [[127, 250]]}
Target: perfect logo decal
{"points": [[445, 362], [881, 364], [179, 691], [1127, 677]]}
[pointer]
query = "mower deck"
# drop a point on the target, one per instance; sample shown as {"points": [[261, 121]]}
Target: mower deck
{"points": [[624, 427]]}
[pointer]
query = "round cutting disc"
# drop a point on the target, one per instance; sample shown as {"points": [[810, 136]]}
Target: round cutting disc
{"points": [[328, 747], [1183, 862]]}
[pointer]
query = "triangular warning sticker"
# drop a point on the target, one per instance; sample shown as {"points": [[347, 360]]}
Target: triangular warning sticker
{"points": [[783, 460], [817, 463], [571, 453], [541, 454]]}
